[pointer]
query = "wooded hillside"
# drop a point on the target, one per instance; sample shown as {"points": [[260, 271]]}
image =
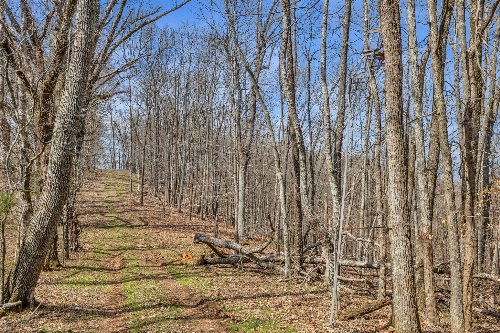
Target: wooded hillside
{"points": [[351, 147]]}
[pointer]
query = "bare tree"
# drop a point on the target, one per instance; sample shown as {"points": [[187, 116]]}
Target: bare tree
{"points": [[404, 296], [36, 243]]}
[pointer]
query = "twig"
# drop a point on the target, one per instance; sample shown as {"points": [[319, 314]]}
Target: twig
{"points": [[32, 314]]}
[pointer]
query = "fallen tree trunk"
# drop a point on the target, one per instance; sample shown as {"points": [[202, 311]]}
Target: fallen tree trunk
{"points": [[364, 310], [444, 269], [248, 255], [477, 311], [489, 277], [10, 305], [345, 262], [351, 280], [230, 260], [361, 264]]}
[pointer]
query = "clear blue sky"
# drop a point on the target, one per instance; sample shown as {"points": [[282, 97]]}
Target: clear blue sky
{"points": [[188, 14]]}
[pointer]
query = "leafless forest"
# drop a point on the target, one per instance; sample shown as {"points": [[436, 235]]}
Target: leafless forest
{"points": [[249, 166]]}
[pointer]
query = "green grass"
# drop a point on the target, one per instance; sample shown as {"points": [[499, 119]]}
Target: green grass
{"points": [[146, 301], [153, 321], [189, 278], [254, 325], [233, 309], [145, 298]]}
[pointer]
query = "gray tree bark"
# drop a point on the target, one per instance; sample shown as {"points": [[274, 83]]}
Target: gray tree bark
{"points": [[405, 314], [424, 237], [36, 243], [329, 231], [436, 46]]}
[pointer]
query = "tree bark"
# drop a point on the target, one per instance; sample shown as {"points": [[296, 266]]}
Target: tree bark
{"points": [[405, 314], [329, 232], [437, 39], [424, 237], [36, 243]]}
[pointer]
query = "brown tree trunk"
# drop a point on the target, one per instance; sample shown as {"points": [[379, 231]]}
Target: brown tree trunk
{"points": [[437, 56], [24, 276], [405, 314], [329, 232], [424, 237]]}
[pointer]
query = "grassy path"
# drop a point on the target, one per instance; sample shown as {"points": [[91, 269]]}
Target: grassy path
{"points": [[128, 278], [120, 281]]}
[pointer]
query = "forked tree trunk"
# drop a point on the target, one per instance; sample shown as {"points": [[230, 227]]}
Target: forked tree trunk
{"points": [[36, 243], [287, 72], [405, 314]]}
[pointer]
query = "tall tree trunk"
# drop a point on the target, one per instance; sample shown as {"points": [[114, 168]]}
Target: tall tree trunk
{"points": [[424, 237], [113, 148], [36, 243], [341, 101], [131, 163], [329, 232], [405, 314], [5, 136], [287, 71], [437, 39], [484, 151], [377, 147]]}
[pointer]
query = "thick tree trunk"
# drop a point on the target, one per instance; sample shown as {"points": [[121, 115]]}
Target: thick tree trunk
{"points": [[405, 314], [24, 276]]}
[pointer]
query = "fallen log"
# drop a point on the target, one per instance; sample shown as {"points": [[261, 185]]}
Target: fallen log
{"points": [[6, 306], [444, 269], [351, 280], [345, 262], [230, 260], [490, 312], [361, 264], [364, 310], [486, 276], [263, 261], [248, 253]]}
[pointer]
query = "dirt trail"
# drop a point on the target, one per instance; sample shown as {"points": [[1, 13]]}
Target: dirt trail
{"points": [[120, 281]]}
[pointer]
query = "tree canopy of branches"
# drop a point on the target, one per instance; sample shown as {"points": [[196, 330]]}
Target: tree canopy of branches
{"points": [[332, 129]]}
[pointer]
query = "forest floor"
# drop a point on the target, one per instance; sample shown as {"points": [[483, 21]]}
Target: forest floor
{"points": [[134, 275]]}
